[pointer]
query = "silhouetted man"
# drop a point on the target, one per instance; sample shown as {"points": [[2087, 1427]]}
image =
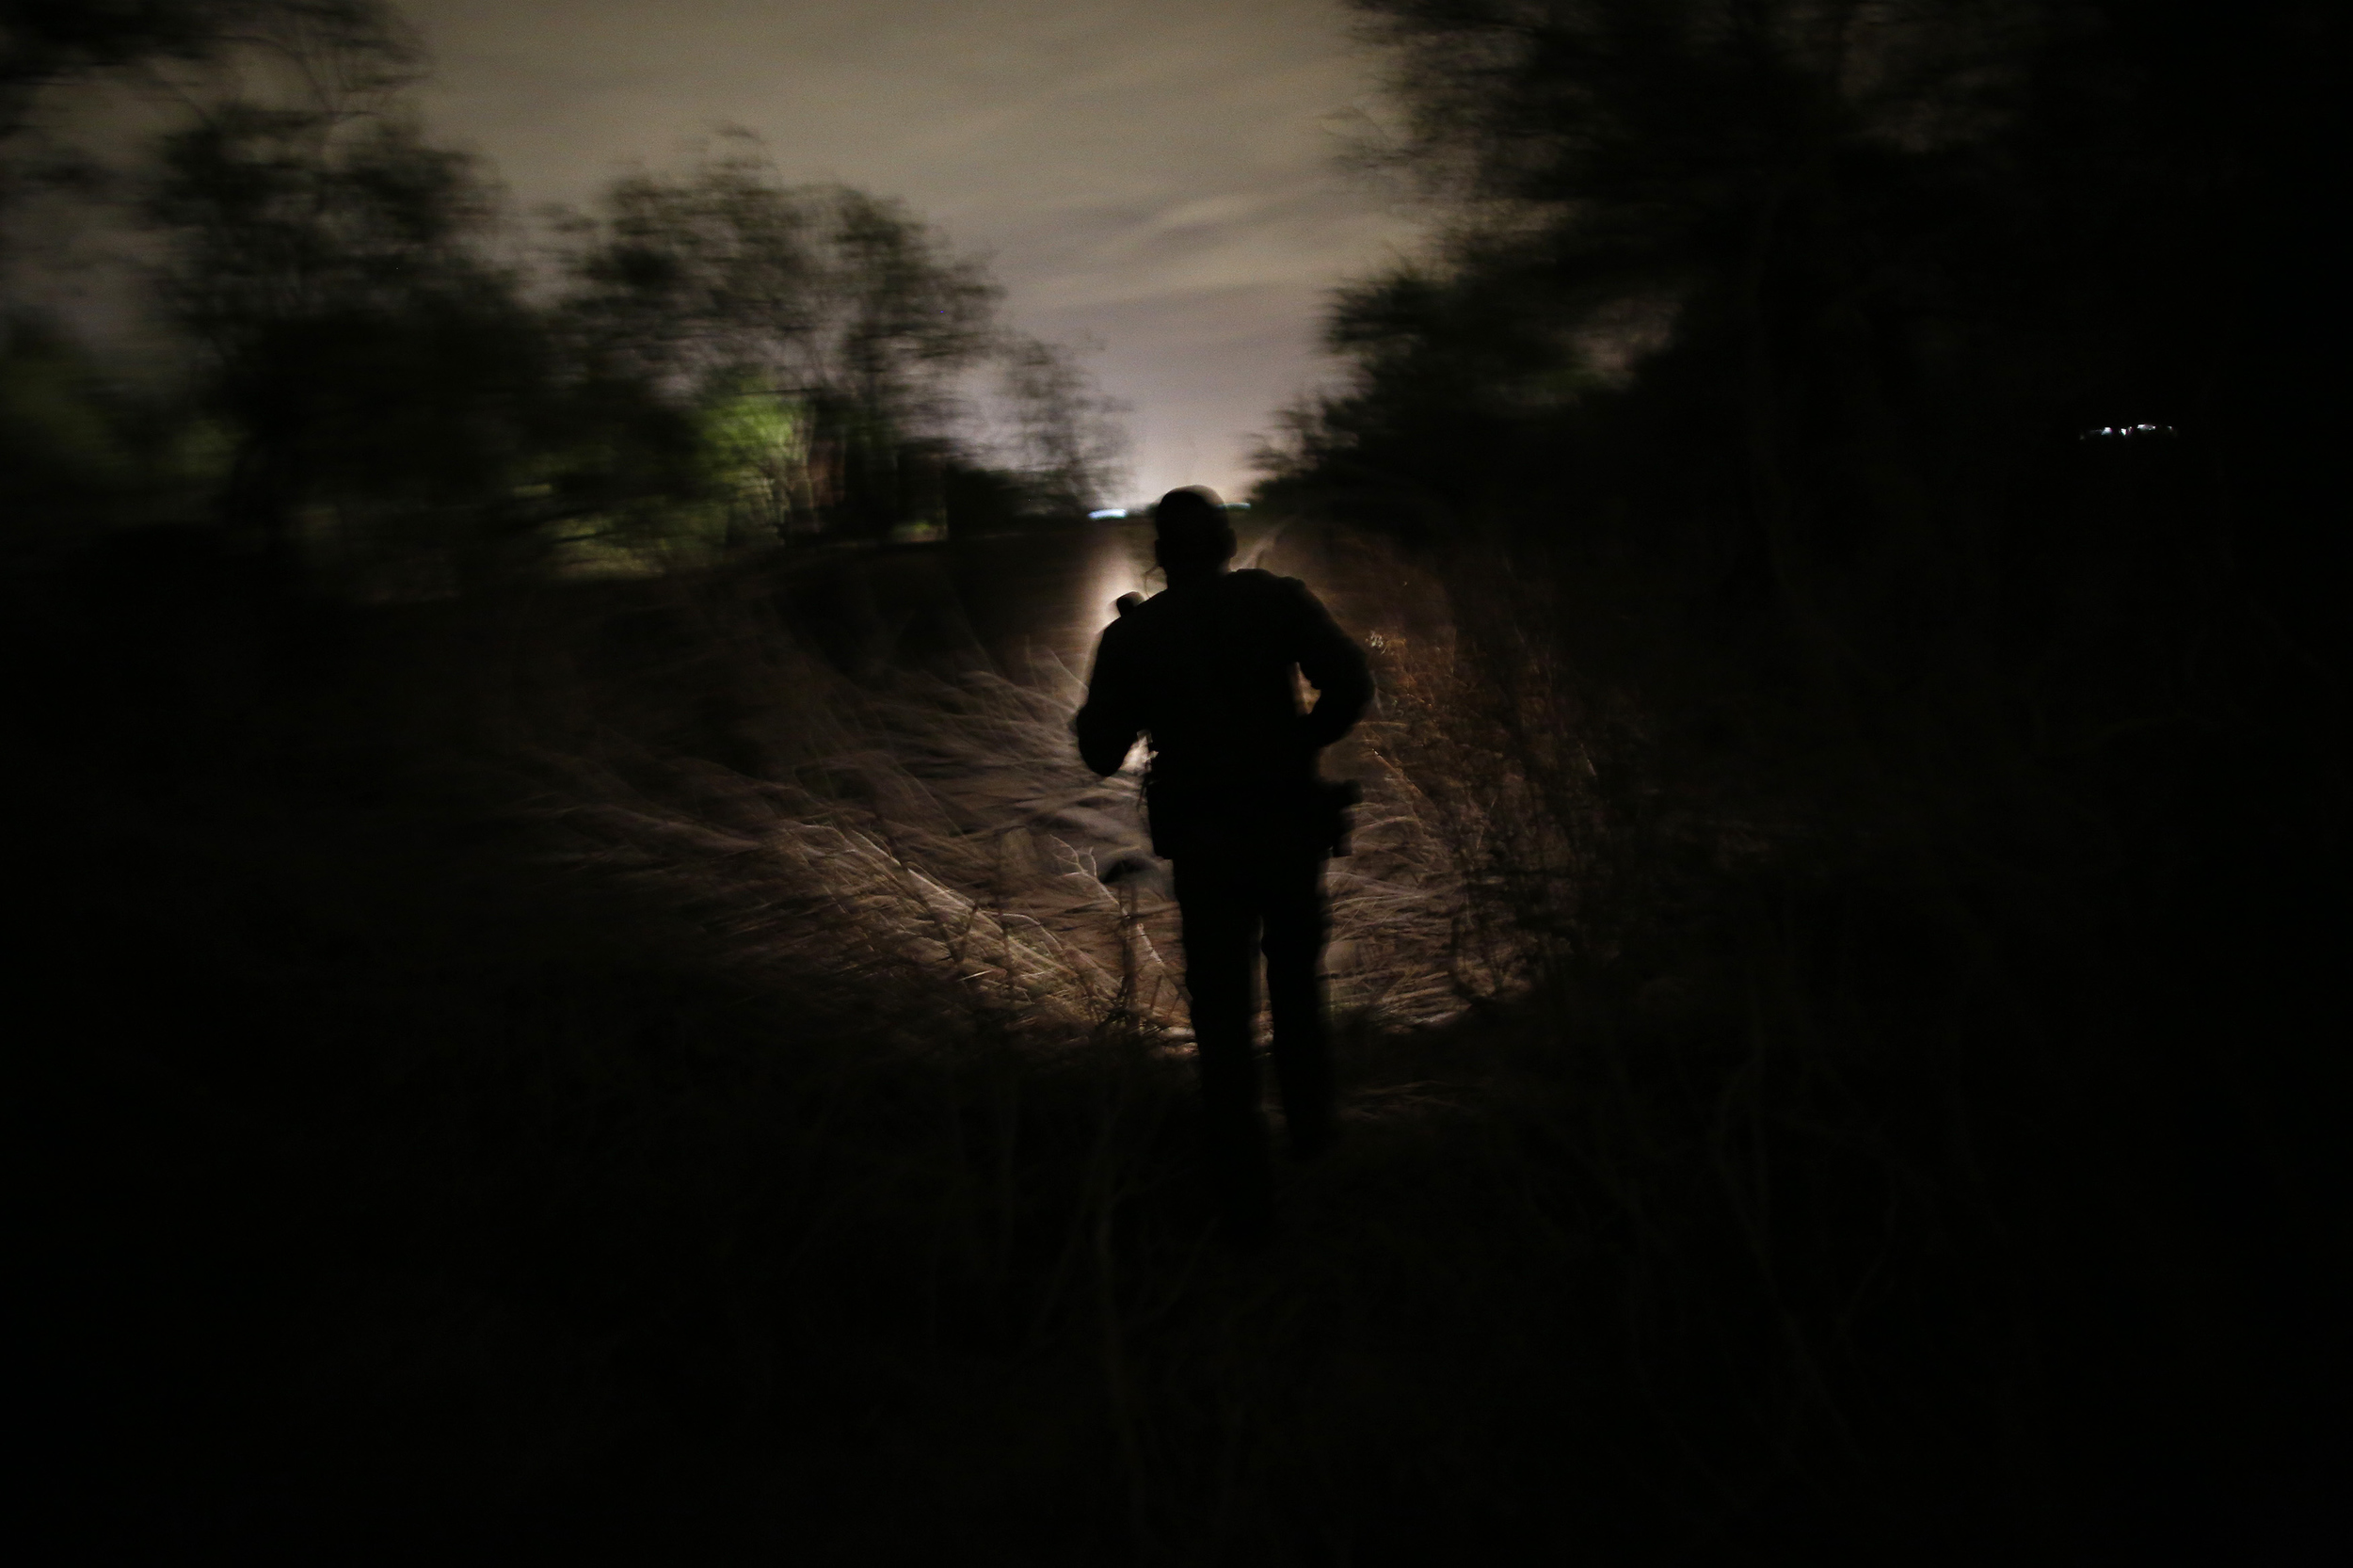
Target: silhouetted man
{"points": [[1205, 671]]}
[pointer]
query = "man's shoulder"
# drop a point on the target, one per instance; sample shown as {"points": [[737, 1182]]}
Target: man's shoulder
{"points": [[1139, 620], [1257, 580], [1265, 592], [1144, 626], [1250, 592]]}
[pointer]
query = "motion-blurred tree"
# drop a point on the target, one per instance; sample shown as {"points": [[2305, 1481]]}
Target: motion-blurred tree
{"points": [[373, 363], [1884, 455], [62, 455], [46, 43], [717, 357], [855, 318], [335, 51], [725, 284], [1066, 436], [1774, 325]]}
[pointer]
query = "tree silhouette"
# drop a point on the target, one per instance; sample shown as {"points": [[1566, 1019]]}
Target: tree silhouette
{"points": [[1775, 325], [343, 44], [845, 310], [369, 358]]}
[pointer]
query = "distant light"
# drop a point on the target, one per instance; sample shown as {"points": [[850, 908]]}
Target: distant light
{"points": [[2124, 432], [1110, 512]]}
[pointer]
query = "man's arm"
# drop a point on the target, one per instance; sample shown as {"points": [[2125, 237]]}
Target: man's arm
{"points": [[1107, 725], [1336, 667]]}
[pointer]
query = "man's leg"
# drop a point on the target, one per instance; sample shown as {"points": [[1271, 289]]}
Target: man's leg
{"points": [[1291, 890], [1220, 920]]}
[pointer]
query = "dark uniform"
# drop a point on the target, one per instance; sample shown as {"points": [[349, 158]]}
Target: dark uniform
{"points": [[1205, 671]]}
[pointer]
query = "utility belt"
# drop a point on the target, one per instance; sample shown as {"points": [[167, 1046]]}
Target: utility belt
{"points": [[1196, 817]]}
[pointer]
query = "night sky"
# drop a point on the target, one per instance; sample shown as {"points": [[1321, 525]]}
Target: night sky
{"points": [[1162, 180]]}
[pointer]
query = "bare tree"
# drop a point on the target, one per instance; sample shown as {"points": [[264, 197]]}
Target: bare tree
{"points": [[1068, 439]]}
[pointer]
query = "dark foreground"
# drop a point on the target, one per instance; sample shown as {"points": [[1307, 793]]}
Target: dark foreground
{"points": [[407, 1171]]}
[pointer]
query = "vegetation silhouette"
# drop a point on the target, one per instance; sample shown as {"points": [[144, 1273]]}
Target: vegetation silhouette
{"points": [[1920, 667], [517, 1052]]}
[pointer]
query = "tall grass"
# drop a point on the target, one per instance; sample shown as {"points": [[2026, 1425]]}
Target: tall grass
{"points": [[504, 1114], [563, 1070]]}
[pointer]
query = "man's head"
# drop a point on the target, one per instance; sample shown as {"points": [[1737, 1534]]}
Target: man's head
{"points": [[1192, 536]]}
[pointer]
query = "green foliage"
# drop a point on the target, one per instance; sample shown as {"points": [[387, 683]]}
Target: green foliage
{"points": [[759, 446]]}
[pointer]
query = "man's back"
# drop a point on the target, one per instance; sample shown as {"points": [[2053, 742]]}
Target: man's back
{"points": [[1206, 668], [1210, 671]]}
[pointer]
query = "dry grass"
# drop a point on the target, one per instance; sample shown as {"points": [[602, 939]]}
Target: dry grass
{"points": [[944, 824], [685, 1105]]}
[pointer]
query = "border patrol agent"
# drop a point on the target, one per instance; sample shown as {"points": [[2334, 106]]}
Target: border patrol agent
{"points": [[1205, 670]]}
